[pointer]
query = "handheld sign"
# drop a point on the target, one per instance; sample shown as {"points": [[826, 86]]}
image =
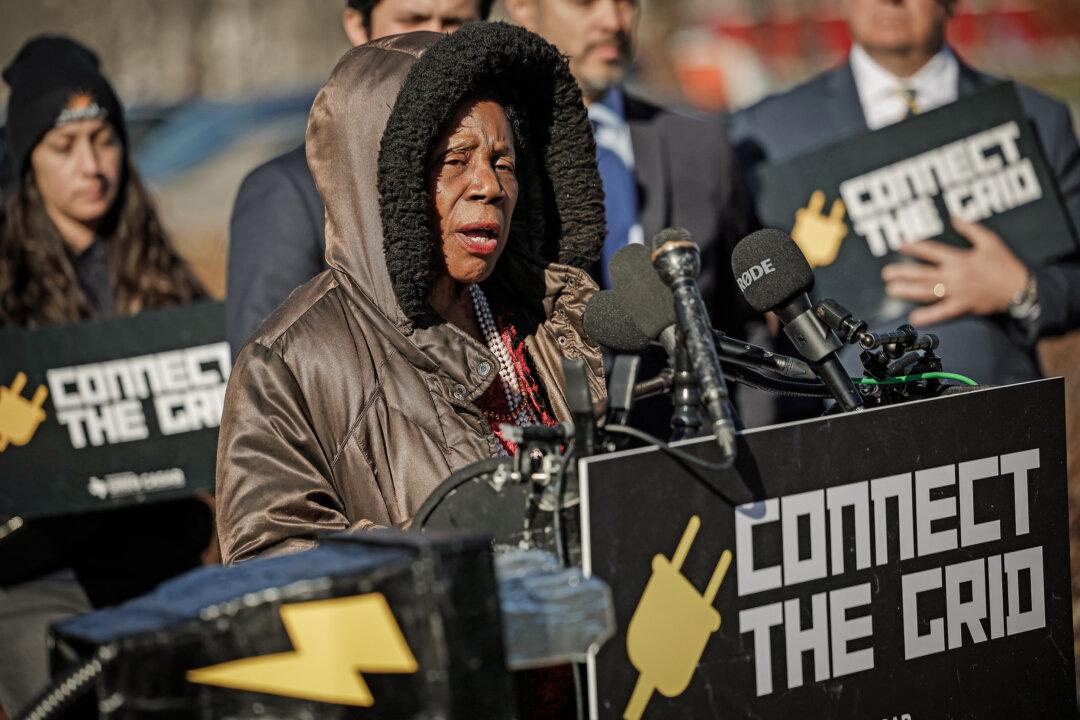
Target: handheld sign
{"points": [[898, 562], [102, 414], [850, 206]]}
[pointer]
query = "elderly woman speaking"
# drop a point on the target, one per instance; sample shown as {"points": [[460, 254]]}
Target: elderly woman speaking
{"points": [[462, 202]]}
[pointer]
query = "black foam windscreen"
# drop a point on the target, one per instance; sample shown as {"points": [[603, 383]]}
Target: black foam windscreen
{"points": [[606, 323], [670, 234], [641, 293], [770, 269]]}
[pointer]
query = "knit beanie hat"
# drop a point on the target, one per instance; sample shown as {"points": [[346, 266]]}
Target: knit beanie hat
{"points": [[55, 80]]}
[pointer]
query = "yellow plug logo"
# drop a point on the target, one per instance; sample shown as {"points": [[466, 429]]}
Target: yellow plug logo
{"points": [[671, 625], [333, 642], [819, 235], [19, 417]]}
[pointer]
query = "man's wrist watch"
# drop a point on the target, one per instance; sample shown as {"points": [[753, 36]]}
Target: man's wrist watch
{"points": [[1024, 305]]}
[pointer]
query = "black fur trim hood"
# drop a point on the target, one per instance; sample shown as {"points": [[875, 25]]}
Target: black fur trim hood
{"points": [[371, 131]]}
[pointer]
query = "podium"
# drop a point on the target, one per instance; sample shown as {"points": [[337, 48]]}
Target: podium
{"points": [[903, 562]]}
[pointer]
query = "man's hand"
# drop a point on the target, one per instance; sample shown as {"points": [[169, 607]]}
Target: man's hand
{"points": [[976, 281]]}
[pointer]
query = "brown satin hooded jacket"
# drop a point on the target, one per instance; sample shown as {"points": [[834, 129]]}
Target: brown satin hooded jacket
{"points": [[354, 400]]}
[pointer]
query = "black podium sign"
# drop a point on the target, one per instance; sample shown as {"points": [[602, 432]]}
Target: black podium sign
{"points": [[850, 206], [903, 562], [103, 414]]}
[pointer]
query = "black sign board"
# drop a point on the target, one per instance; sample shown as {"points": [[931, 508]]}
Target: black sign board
{"points": [[851, 205], [903, 562], [103, 414]]}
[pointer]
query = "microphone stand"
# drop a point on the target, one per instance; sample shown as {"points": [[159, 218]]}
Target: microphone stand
{"points": [[685, 396]]}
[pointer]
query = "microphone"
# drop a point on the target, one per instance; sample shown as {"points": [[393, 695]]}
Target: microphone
{"points": [[774, 276], [677, 262], [607, 323], [613, 324]]}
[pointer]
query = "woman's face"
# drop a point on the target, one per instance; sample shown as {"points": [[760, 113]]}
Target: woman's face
{"points": [[474, 188], [77, 167]]}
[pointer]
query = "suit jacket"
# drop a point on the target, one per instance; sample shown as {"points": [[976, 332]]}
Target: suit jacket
{"points": [[687, 176], [826, 109], [276, 242]]}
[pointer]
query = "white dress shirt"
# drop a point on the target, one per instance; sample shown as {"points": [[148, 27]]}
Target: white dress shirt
{"points": [[881, 93]]}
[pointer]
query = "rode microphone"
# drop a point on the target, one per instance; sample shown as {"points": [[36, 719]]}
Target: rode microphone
{"points": [[678, 263], [773, 275]]}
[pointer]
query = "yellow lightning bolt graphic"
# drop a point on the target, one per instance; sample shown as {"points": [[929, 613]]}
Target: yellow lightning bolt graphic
{"points": [[334, 641]]}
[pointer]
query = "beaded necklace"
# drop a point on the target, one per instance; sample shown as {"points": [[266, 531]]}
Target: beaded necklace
{"points": [[521, 411]]}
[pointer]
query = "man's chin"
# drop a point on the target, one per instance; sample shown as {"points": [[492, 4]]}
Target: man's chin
{"points": [[595, 81]]}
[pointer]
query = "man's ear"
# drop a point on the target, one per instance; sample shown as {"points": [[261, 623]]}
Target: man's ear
{"points": [[523, 13], [353, 23]]}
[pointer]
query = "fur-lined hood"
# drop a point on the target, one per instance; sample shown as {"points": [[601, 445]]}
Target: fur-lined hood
{"points": [[369, 138]]}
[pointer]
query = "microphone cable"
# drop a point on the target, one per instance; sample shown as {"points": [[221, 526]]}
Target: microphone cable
{"points": [[784, 387], [684, 458], [963, 379], [65, 691]]}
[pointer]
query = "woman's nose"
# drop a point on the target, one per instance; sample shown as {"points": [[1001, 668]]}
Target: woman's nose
{"points": [[88, 159], [485, 184]]}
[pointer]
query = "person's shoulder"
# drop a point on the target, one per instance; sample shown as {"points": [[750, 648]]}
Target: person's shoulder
{"points": [[641, 108], [1038, 103], [778, 106], [310, 312], [681, 123], [1051, 115], [290, 167]]}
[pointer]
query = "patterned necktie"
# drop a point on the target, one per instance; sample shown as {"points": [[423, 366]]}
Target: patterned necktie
{"points": [[909, 94]]}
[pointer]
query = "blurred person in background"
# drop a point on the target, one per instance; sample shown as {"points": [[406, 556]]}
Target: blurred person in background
{"points": [[661, 167], [81, 240], [653, 176], [985, 304], [276, 240]]}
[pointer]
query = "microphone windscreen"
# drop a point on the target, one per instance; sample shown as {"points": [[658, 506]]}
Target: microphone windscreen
{"points": [[668, 235], [642, 295], [606, 323], [770, 269]]}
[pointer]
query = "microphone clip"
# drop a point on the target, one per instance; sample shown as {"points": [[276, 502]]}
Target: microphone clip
{"points": [[886, 355]]}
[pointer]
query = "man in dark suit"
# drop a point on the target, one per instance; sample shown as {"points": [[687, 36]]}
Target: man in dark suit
{"points": [[985, 304], [660, 167], [276, 238]]}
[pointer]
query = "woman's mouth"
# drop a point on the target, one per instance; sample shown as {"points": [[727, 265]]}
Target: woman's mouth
{"points": [[479, 238], [92, 194]]}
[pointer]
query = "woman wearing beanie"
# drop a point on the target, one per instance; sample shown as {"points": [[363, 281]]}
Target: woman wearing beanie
{"points": [[80, 241]]}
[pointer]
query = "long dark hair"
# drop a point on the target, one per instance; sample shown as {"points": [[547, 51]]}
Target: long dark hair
{"points": [[39, 284]]}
